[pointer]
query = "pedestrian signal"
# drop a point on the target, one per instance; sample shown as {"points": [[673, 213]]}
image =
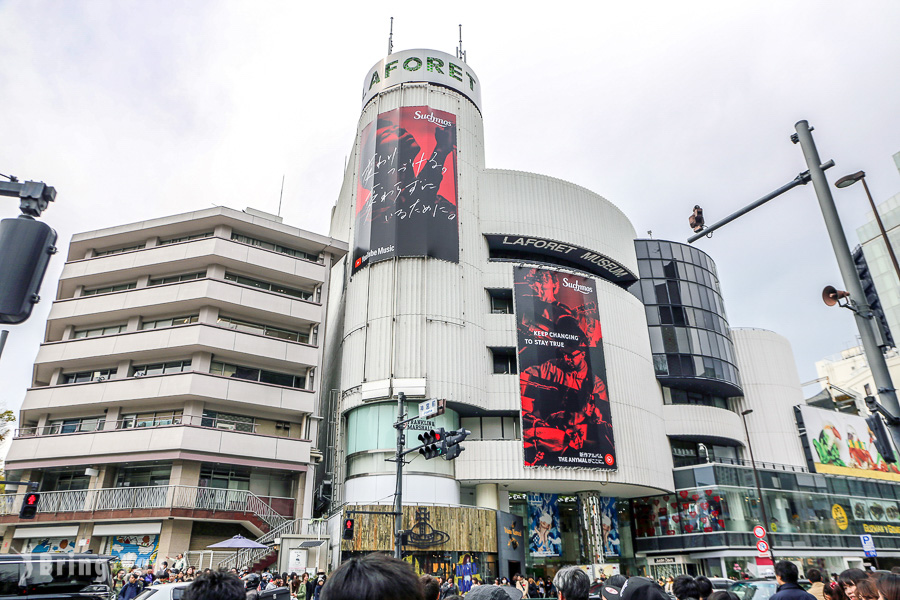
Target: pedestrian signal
{"points": [[29, 506], [348, 529], [454, 439]]}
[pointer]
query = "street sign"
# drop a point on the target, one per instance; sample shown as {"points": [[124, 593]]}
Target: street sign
{"points": [[759, 531], [431, 408], [868, 545], [762, 546]]}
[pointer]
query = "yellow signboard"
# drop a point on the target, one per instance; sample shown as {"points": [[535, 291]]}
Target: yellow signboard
{"points": [[840, 516]]}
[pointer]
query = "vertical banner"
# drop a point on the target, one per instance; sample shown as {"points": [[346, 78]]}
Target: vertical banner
{"points": [[566, 420], [510, 542], [406, 195], [543, 529]]}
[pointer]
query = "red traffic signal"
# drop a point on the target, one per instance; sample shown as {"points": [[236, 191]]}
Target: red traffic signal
{"points": [[348, 529], [29, 506]]}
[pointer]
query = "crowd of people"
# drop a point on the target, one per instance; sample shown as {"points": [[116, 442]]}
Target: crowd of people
{"points": [[380, 577]]}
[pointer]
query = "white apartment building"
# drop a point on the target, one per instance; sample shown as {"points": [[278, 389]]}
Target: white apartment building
{"points": [[175, 399]]}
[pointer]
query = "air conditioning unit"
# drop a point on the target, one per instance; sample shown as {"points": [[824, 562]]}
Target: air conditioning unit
{"points": [[140, 373]]}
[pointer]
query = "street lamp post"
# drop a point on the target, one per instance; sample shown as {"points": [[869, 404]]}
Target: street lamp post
{"points": [[762, 504], [847, 181]]}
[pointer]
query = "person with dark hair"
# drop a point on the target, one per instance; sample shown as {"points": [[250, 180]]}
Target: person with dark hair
{"points": [[685, 587], [704, 587], [215, 586], [723, 595], [448, 588], [848, 579], [617, 581], [130, 589], [817, 588], [572, 584], [889, 586], [641, 588], [786, 575], [867, 589], [373, 577], [431, 588]]}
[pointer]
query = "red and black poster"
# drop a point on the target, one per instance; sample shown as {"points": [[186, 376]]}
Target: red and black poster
{"points": [[406, 197], [566, 420]]}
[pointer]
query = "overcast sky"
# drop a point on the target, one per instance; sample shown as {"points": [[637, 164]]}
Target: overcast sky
{"points": [[135, 110]]}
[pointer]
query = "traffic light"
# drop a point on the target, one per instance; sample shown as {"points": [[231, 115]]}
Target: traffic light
{"points": [[29, 506], [348, 529], [882, 439], [454, 438], [433, 443], [25, 249]]}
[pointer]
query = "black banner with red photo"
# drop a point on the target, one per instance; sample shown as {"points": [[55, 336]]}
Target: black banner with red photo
{"points": [[566, 420], [406, 197]]}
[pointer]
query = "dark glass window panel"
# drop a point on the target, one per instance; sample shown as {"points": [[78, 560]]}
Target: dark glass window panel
{"points": [[647, 293], [676, 252], [669, 269], [670, 340], [9, 580], [653, 248], [674, 365], [687, 366], [666, 250], [246, 373], [657, 269], [678, 316], [691, 316], [674, 293], [661, 366], [684, 342], [652, 315], [662, 295], [709, 369], [644, 269], [665, 315], [276, 378], [720, 371], [640, 249]]}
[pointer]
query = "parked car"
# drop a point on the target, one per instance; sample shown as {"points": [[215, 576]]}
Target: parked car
{"points": [[720, 583], [164, 591], [759, 589], [49, 576]]}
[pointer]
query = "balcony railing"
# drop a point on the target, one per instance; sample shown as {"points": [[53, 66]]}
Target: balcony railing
{"points": [[154, 497], [139, 423], [695, 461]]}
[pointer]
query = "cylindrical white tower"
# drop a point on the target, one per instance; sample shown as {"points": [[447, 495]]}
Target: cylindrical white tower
{"points": [[427, 307]]}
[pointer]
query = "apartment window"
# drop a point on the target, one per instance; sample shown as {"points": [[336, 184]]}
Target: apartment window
{"points": [[118, 250], [163, 368], [160, 323], [177, 278], [231, 422], [186, 238], [109, 288], [501, 301], [271, 287], [224, 477], [85, 376], [58, 426], [260, 329], [246, 239], [98, 331], [504, 360], [151, 419], [64, 480], [144, 476], [491, 428], [260, 375]]}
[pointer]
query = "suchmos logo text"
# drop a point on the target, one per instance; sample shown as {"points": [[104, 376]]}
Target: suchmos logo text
{"points": [[577, 286], [433, 119]]}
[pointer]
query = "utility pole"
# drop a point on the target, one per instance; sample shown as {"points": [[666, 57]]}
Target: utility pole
{"points": [[398, 490]]}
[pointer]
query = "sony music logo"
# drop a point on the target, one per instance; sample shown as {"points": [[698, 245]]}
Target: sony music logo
{"points": [[433, 119], [577, 286]]}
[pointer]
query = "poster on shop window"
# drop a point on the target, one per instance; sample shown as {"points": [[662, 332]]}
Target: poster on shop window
{"points": [[566, 417], [543, 529], [406, 187]]}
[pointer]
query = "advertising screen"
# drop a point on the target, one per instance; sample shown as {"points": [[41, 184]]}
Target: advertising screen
{"points": [[842, 444], [566, 420], [406, 196]]}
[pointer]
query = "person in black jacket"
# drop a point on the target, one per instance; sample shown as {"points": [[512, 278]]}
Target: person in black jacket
{"points": [[786, 575]]}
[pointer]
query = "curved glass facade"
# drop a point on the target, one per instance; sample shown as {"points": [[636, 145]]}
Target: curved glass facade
{"points": [[689, 335]]}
